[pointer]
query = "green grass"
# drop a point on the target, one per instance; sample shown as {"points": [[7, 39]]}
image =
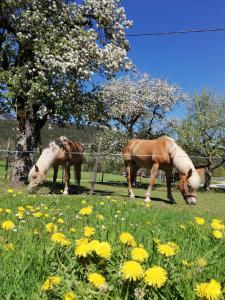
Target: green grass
{"points": [[35, 257]]}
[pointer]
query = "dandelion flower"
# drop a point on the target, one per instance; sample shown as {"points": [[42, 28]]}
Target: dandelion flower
{"points": [[209, 291], [217, 234], [155, 276], [8, 225], [37, 214], [60, 221], [85, 211], [132, 270], [104, 250], [83, 250], [88, 231], [202, 262], [166, 249], [199, 221], [8, 247], [8, 211], [127, 239], [82, 240], [139, 254], [72, 230], [60, 238], [217, 224], [10, 191], [96, 279], [69, 296], [50, 282], [94, 244], [50, 227]]}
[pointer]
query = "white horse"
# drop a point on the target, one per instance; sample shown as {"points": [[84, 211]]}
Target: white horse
{"points": [[60, 152]]}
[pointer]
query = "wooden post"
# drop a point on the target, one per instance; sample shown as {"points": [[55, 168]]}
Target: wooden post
{"points": [[7, 158], [95, 169]]}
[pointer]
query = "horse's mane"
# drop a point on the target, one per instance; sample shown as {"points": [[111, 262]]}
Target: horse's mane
{"points": [[49, 154], [182, 163]]}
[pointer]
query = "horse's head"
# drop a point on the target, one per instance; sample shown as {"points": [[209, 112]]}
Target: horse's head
{"points": [[36, 179], [188, 185]]}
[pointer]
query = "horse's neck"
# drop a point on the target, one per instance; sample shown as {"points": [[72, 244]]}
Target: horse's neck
{"points": [[46, 160]]}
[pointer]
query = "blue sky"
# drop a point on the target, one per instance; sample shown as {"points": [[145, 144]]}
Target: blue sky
{"points": [[194, 61]]}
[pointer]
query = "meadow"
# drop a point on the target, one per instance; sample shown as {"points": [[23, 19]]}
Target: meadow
{"points": [[109, 247]]}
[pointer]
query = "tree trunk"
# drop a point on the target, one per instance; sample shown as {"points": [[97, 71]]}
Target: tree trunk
{"points": [[208, 177], [25, 146]]}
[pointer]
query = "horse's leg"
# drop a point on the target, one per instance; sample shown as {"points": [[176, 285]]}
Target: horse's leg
{"points": [[128, 171], [77, 171], [134, 169], [55, 168], [154, 171], [67, 180], [168, 184]]}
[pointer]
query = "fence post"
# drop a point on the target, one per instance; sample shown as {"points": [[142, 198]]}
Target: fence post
{"points": [[7, 158], [95, 169]]}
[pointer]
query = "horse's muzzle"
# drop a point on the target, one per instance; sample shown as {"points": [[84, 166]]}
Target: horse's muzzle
{"points": [[191, 200]]}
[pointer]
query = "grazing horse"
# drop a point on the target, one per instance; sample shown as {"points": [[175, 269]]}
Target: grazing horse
{"points": [[164, 154], [60, 152]]}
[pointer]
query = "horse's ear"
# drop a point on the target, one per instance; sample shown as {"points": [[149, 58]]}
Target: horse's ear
{"points": [[189, 173], [36, 168]]}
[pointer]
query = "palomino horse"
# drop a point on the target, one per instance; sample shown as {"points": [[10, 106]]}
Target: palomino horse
{"points": [[60, 152], [164, 154]]}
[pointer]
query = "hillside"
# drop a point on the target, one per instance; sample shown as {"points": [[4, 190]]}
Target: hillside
{"points": [[48, 133]]}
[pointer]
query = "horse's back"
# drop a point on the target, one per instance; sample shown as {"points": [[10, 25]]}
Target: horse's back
{"points": [[147, 152]]}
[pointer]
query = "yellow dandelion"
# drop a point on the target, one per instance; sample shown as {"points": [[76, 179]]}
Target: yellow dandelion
{"points": [[217, 234], [72, 230], [139, 254], [199, 221], [8, 211], [94, 244], [88, 231], [155, 276], [69, 296], [209, 291], [104, 250], [59, 238], [50, 282], [127, 239], [60, 221], [85, 211], [10, 191], [82, 250], [8, 247], [202, 262], [166, 249], [21, 208], [37, 214], [82, 240], [8, 225], [51, 227], [20, 214], [132, 270], [96, 279], [217, 224], [46, 215]]}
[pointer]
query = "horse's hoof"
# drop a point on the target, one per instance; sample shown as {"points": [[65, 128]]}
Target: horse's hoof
{"points": [[132, 196], [65, 193]]}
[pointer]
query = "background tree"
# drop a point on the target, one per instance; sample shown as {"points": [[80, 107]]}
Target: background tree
{"points": [[137, 104], [202, 131], [49, 50]]}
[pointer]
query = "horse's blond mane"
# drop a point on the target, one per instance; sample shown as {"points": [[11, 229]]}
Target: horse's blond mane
{"points": [[47, 158], [182, 163]]}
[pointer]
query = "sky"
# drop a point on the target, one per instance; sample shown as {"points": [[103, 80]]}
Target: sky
{"points": [[194, 60]]}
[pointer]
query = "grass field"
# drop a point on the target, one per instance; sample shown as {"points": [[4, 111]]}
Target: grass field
{"points": [[31, 252]]}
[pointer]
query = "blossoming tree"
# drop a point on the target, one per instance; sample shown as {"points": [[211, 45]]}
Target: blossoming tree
{"points": [[49, 50], [137, 103]]}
